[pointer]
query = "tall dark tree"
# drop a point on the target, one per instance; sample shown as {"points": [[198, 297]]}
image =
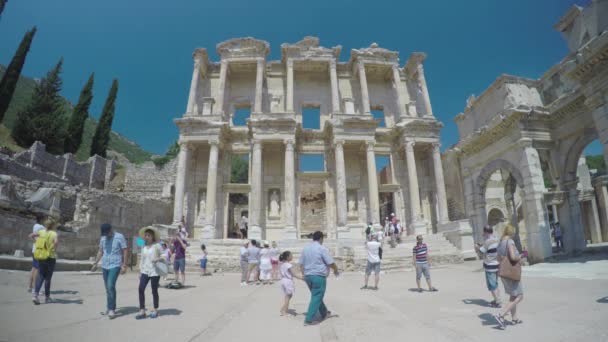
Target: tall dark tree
{"points": [[11, 76], [44, 117], [2, 4], [101, 139], [73, 137]]}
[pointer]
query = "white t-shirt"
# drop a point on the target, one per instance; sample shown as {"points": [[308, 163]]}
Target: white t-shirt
{"points": [[148, 255], [373, 251], [380, 235], [37, 227], [265, 259], [285, 274]]}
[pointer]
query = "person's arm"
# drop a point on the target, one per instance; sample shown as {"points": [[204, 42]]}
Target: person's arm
{"points": [[97, 258], [33, 236], [512, 256], [293, 274], [428, 257], [414, 257], [181, 242], [125, 255]]}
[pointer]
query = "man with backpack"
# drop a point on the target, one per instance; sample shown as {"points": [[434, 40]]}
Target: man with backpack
{"points": [[34, 273], [113, 254], [45, 255]]}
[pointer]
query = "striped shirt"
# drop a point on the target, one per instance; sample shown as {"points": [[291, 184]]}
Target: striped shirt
{"points": [[489, 249], [112, 250], [420, 251]]}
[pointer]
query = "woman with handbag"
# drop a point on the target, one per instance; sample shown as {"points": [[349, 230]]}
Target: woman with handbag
{"points": [[510, 273], [150, 269]]}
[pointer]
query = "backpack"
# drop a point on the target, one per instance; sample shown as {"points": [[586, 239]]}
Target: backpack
{"points": [[43, 246]]}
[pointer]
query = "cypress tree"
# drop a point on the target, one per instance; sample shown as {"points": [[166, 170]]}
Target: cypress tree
{"points": [[2, 3], [43, 118], [73, 137], [101, 138], [11, 76]]}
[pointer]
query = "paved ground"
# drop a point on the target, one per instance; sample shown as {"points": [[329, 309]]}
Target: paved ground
{"points": [[558, 306]]}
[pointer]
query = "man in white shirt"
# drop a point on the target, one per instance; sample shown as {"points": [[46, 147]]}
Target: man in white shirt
{"points": [[373, 262], [34, 273]]}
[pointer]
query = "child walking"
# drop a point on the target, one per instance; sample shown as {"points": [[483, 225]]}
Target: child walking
{"points": [[287, 275], [203, 261]]}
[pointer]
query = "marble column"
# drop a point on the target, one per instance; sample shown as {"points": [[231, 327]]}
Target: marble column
{"points": [[571, 220], [594, 220], [340, 184], [221, 87], [210, 219], [364, 92], [412, 174], [289, 97], [259, 85], [601, 192], [192, 108], [425, 91], [398, 91], [255, 196], [442, 202], [290, 191], [180, 182], [372, 182], [554, 211], [335, 95]]}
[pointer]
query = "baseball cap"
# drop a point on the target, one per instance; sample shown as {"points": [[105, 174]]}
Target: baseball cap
{"points": [[105, 229]]}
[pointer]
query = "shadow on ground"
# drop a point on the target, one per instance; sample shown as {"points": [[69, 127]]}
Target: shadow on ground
{"points": [[480, 302], [169, 312], [603, 300], [62, 292]]}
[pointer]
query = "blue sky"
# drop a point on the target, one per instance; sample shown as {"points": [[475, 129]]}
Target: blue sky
{"points": [[148, 44]]}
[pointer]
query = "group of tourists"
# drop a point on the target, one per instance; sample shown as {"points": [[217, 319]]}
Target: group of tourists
{"points": [[259, 260]]}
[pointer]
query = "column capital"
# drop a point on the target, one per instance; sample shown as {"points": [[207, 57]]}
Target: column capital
{"points": [[436, 147], [289, 143], [290, 62], [361, 66], [185, 145], [409, 146], [339, 143], [257, 143], [370, 145], [224, 62], [332, 64], [213, 142]]}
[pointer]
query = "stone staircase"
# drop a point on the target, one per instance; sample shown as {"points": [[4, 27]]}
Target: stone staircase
{"points": [[350, 255]]}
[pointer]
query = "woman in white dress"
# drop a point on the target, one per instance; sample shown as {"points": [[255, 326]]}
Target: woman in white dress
{"points": [[265, 264]]}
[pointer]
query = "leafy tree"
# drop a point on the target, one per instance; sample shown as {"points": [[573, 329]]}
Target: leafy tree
{"points": [[11, 76], [104, 127], [171, 153], [73, 137], [43, 118], [596, 162], [240, 170]]}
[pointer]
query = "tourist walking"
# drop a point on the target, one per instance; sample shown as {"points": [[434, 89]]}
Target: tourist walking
{"points": [[490, 263], [557, 235], [265, 263], [113, 255], [253, 260], [166, 252], [373, 262], [244, 256], [422, 262], [35, 266], [243, 226], [45, 254], [179, 261], [315, 263], [506, 249], [151, 254], [203, 260], [274, 260], [287, 284]]}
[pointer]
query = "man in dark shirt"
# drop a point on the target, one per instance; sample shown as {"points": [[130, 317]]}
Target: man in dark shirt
{"points": [[179, 263]]}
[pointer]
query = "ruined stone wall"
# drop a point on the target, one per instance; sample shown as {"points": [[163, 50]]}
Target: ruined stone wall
{"points": [[37, 164], [149, 181]]}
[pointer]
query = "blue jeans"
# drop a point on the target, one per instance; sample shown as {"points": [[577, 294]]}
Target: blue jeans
{"points": [[109, 278], [316, 285], [45, 273]]}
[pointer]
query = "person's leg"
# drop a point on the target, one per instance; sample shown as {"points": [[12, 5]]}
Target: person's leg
{"points": [[313, 306], [47, 282], [42, 276], [418, 276], [366, 280], [285, 306], [111, 287], [516, 301], [377, 276], [322, 287], [154, 282], [33, 274], [105, 273], [143, 283], [250, 268]]}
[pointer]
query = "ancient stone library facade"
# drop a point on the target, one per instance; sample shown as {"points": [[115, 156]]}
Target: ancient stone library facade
{"points": [[367, 109], [521, 140]]}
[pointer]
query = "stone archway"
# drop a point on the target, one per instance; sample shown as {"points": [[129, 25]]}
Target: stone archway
{"points": [[495, 216]]}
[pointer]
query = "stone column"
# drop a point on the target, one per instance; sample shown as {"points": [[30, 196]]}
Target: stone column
{"points": [[180, 182], [364, 93], [255, 196], [601, 192], [417, 226], [372, 180], [221, 87], [340, 184], [397, 83], [259, 85], [425, 91], [289, 97], [210, 219], [192, 106], [554, 211], [571, 221], [594, 220], [335, 95], [442, 215], [290, 191]]}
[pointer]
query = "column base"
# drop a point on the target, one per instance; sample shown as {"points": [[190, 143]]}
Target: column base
{"points": [[208, 232], [254, 232]]}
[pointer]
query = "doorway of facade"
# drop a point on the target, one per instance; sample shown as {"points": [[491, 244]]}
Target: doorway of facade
{"points": [[387, 206], [238, 216]]}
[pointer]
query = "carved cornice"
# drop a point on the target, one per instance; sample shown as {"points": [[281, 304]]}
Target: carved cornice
{"points": [[243, 48], [374, 54], [309, 48], [476, 142], [568, 110], [590, 65], [568, 18]]}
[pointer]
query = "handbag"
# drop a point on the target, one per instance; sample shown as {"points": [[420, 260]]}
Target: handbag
{"points": [[508, 269], [161, 268]]}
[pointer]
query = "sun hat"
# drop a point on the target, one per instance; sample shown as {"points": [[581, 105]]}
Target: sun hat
{"points": [[142, 232]]}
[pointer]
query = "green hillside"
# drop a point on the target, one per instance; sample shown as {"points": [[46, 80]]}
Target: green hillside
{"points": [[133, 152]]}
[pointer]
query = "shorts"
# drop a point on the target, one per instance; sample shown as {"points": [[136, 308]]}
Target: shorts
{"points": [[372, 266], [179, 265], [288, 287], [422, 268], [35, 263], [204, 263], [274, 262], [253, 267], [491, 280]]}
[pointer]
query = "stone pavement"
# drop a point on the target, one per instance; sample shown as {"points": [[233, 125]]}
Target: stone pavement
{"points": [[556, 307]]}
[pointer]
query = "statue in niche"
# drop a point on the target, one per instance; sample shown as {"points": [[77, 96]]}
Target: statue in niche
{"points": [[352, 204], [274, 203], [202, 207]]}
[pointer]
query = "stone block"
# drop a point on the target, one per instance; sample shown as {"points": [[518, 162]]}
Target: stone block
{"points": [[19, 253]]}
